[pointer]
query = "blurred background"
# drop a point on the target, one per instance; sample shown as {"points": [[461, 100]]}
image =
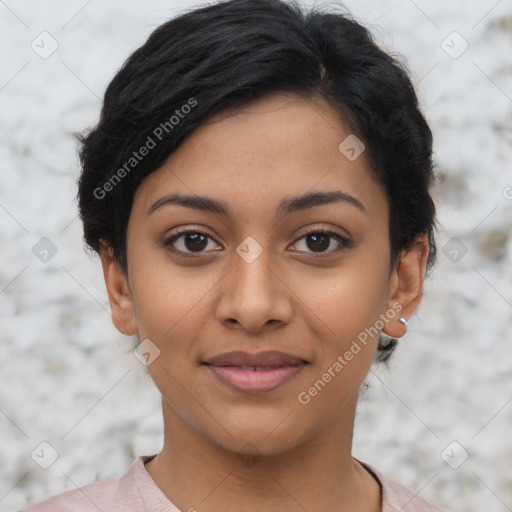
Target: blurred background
{"points": [[77, 405]]}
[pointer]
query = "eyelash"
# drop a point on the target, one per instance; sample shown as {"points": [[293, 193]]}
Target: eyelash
{"points": [[345, 243]]}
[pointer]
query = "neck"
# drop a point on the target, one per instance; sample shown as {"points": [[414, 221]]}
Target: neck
{"points": [[197, 474]]}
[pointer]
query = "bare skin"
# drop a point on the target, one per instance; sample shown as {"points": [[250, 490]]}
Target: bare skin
{"points": [[227, 450]]}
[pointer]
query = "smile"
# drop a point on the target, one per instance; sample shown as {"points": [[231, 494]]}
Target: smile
{"points": [[255, 373]]}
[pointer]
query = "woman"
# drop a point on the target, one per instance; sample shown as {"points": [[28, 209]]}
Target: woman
{"points": [[258, 190]]}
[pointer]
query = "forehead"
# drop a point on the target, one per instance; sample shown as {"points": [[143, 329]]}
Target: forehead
{"points": [[252, 157]]}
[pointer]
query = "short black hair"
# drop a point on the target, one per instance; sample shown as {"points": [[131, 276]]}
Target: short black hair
{"points": [[223, 56]]}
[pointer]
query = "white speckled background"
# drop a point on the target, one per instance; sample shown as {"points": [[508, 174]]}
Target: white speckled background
{"points": [[69, 378]]}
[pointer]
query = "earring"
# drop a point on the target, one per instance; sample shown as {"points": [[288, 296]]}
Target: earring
{"points": [[402, 320]]}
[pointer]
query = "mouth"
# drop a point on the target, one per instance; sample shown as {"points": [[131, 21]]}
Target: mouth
{"points": [[255, 373]]}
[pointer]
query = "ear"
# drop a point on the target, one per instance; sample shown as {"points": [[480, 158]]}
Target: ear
{"points": [[406, 285], [119, 293]]}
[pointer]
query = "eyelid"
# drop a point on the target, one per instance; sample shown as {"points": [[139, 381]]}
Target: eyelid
{"points": [[344, 241], [191, 229], [322, 229], [170, 239]]}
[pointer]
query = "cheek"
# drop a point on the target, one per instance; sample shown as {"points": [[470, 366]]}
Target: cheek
{"points": [[349, 305], [348, 308], [166, 296], [350, 298]]}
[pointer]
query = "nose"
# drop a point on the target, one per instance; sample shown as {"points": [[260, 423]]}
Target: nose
{"points": [[254, 294]]}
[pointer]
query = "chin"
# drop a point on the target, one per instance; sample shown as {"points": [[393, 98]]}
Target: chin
{"points": [[263, 436]]}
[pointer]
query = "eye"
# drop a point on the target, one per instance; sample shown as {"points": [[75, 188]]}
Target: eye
{"points": [[190, 241], [319, 240], [194, 242]]}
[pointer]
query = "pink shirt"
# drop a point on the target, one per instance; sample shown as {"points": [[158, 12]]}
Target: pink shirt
{"points": [[135, 491]]}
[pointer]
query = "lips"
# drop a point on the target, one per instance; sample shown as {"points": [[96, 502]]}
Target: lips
{"points": [[255, 373], [267, 359]]}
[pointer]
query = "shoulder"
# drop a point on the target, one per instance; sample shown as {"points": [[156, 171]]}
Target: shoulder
{"points": [[131, 492], [396, 496], [99, 495]]}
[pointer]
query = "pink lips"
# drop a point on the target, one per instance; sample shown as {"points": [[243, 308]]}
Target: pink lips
{"points": [[255, 373]]}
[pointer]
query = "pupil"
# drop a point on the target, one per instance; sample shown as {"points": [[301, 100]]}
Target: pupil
{"points": [[323, 239], [196, 237], [198, 241]]}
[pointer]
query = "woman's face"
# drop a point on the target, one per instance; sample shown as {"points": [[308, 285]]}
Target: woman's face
{"points": [[253, 190]]}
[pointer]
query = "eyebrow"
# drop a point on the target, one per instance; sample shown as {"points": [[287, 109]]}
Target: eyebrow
{"points": [[286, 206]]}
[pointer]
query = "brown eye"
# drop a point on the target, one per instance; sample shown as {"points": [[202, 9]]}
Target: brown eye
{"points": [[195, 241], [318, 241], [188, 242]]}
